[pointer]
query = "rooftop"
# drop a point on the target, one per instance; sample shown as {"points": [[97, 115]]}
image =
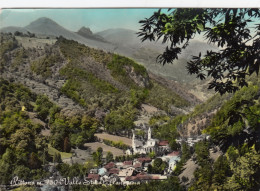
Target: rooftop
{"points": [[110, 165], [174, 153], [143, 159], [163, 143], [93, 176]]}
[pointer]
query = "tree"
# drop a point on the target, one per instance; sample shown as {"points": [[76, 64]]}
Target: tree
{"points": [[57, 158], [246, 172], [228, 29], [158, 166], [109, 157], [34, 161], [185, 149], [97, 156], [221, 172], [67, 146]]}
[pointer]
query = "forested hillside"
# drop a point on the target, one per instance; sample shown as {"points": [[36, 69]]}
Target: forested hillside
{"points": [[75, 106]]}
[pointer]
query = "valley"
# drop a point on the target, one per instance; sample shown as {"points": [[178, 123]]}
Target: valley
{"points": [[98, 107]]}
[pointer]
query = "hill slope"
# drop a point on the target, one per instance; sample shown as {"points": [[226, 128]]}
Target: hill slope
{"points": [[124, 42]]}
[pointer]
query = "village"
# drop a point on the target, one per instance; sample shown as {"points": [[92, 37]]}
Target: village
{"points": [[139, 170]]}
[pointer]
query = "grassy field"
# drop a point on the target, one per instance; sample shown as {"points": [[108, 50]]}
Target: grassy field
{"points": [[115, 138], [52, 151], [94, 146]]}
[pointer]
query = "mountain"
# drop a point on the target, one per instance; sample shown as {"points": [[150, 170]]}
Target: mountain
{"points": [[87, 33], [47, 27], [13, 29], [120, 36], [85, 76], [126, 42]]}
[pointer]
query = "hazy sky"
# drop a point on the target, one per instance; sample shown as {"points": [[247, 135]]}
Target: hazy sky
{"points": [[73, 19]]}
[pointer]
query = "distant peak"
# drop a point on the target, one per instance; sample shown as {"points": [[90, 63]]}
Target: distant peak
{"points": [[44, 20], [85, 30]]}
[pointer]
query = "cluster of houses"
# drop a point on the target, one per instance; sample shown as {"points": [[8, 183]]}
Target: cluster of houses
{"points": [[136, 171], [131, 172], [191, 141]]}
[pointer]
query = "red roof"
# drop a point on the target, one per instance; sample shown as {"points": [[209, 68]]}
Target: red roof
{"points": [[128, 162], [163, 143], [137, 165], [174, 153], [144, 159], [113, 171], [109, 165], [93, 176]]}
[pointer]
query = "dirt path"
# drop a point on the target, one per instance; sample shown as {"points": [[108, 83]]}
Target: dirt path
{"points": [[189, 169]]}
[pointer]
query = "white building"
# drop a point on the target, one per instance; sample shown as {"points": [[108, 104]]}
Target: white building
{"points": [[151, 145]]}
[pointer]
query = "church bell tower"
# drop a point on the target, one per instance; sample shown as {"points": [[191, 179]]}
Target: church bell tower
{"points": [[149, 133]]}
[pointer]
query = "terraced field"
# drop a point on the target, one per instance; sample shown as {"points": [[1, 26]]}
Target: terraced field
{"points": [[115, 138]]}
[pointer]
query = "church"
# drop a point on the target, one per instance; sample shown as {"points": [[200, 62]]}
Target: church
{"points": [[151, 145]]}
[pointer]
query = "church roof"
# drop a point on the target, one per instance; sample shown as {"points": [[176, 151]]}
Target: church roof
{"points": [[138, 143]]}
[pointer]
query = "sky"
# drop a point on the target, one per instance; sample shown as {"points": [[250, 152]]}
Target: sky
{"points": [[73, 19]]}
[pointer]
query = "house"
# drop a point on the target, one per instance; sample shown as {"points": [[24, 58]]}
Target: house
{"points": [[93, 178], [125, 172], [138, 166], [119, 164], [144, 160], [93, 171], [109, 165], [102, 171], [113, 171], [127, 164]]}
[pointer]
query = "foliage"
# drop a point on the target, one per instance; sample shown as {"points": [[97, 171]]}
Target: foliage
{"points": [[20, 57], [158, 166], [79, 129], [73, 50], [43, 66], [229, 29], [155, 119], [213, 103], [152, 155], [43, 106], [202, 152], [8, 43], [169, 131], [97, 156], [119, 65], [121, 119], [185, 156], [22, 146], [79, 79], [235, 118], [109, 157], [123, 158], [245, 171], [57, 158], [162, 97], [52, 152]]}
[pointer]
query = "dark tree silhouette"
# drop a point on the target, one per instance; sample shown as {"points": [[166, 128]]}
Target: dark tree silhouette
{"points": [[235, 31]]}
